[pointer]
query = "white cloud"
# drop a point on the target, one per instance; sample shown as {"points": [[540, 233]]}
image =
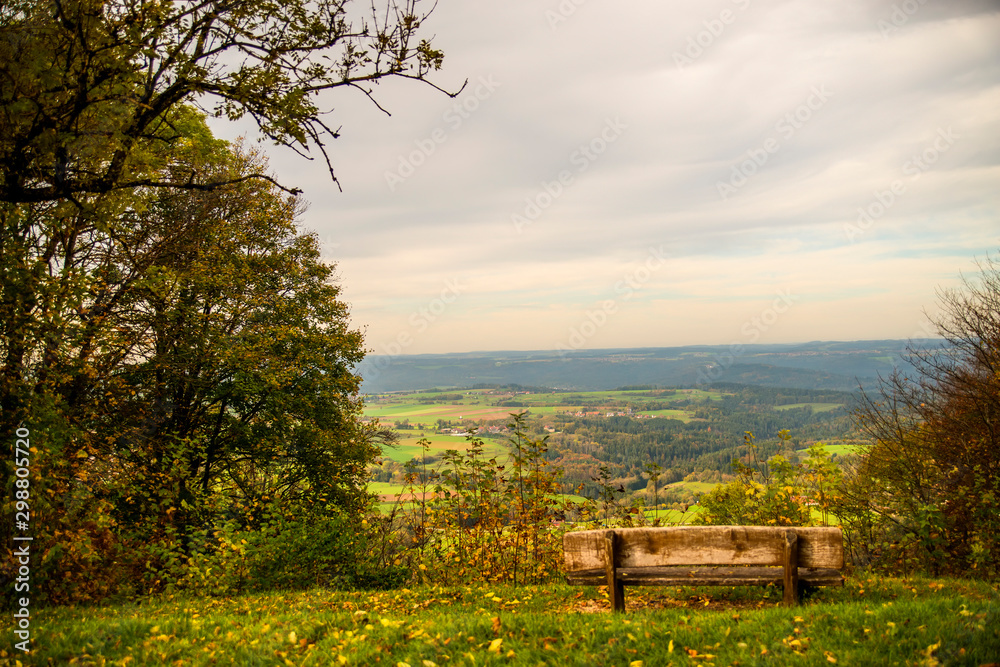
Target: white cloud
{"points": [[657, 184]]}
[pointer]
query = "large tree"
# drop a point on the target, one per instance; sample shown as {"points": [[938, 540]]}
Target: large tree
{"points": [[239, 376], [88, 87], [179, 356], [926, 490]]}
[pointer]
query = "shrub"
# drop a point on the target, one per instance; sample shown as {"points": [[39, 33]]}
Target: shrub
{"points": [[773, 492], [925, 494], [288, 548]]}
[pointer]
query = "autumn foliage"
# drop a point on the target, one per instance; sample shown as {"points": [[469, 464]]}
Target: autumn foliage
{"points": [[925, 493]]}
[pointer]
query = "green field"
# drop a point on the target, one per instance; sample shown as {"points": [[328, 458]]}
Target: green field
{"points": [[408, 448], [682, 415], [842, 450], [671, 517], [693, 487], [817, 407], [430, 413]]}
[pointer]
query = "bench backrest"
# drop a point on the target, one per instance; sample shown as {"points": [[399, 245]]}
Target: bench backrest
{"points": [[703, 545]]}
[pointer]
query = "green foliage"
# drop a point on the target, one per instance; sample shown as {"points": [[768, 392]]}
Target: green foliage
{"points": [[244, 373], [772, 492], [72, 529], [186, 347], [280, 547], [822, 478], [654, 471], [479, 519]]}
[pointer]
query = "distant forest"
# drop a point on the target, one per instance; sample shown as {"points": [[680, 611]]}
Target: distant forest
{"points": [[840, 366]]}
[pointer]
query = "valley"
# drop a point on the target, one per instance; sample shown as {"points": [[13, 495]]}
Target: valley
{"points": [[686, 437]]}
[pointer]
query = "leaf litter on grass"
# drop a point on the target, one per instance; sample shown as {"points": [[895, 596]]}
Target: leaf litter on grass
{"points": [[915, 620]]}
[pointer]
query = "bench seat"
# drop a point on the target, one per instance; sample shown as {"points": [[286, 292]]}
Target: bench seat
{"points": [[705, 556], [706, 576]]}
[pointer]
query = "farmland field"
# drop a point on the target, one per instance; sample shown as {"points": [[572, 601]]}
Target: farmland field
{"points": [[817, 407], [696, 487], [424, 409], [842, 450], [422, 413], [408, 447], [682, 415]]}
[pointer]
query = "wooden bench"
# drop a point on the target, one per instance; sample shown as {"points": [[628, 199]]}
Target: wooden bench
{"points": [[704, 556]]}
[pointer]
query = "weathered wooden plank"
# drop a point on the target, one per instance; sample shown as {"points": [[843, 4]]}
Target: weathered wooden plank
{"points": [[790, 580], [706, 576], [821, 547], [616, 589]]}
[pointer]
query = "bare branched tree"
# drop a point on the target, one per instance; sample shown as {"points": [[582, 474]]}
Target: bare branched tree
{"points": [[930, 476]]}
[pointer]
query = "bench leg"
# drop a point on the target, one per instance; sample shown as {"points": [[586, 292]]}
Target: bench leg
{"points": [[791, 564], [616, 589]]}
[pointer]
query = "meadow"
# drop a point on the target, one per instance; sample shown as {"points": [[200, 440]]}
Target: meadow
{"points": [[409, 448], [871, 620]]}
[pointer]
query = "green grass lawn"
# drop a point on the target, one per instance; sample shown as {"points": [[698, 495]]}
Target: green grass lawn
{"points": [[871, 620]]}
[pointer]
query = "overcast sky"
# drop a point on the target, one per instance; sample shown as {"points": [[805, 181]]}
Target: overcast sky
{"points": [[659, 173]]}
